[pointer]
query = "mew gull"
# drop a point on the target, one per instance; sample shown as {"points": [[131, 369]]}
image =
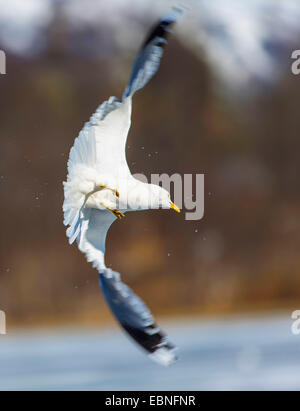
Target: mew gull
{"points": [[100, 189]]}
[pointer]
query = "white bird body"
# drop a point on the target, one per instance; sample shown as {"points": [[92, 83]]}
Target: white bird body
{"points": [[100, 188]]}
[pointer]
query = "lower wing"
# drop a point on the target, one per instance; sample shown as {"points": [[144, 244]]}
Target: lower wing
{"points": [[131, 312], [135, 317]]}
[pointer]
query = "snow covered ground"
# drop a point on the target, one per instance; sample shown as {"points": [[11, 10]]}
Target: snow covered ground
{"points": [[237, 353]]}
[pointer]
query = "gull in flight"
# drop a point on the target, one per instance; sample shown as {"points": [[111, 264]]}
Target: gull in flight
{"points": [[101, 189]]}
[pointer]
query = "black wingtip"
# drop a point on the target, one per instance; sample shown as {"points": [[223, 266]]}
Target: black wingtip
{"points": [[136, 319], [148, 59], [155, 342], [162, 28]]}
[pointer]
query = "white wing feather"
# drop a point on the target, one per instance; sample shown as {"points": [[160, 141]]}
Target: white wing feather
{"points": [[92, 235], [102, 141]]}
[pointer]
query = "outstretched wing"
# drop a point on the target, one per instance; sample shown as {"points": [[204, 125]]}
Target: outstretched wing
{"points": [[101, 143], [130, 311], [135, 317], [148, 59]]}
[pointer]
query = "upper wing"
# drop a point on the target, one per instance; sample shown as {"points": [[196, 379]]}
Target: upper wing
{"points": [[101, 143], [148, 59], [133, 315]]}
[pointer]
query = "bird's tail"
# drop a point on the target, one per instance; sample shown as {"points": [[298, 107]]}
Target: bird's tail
{"points": [[148, 59], [136, 319]]}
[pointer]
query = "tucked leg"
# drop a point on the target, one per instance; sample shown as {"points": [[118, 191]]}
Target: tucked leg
{"points": [[115, 211], [115, 191]]}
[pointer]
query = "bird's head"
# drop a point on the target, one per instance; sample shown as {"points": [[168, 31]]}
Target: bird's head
{"points": [[160, 198]]}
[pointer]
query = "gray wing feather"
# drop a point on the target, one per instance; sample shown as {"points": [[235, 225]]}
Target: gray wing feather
{"points": [[135, 317], [131, 312], [148, 59], [105, 108], [145, 66]]}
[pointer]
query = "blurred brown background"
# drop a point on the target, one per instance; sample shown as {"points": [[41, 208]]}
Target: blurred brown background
{"points": [[243, 255]]}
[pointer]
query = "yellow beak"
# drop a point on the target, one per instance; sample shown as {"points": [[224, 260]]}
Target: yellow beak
{"points": [[175, 207]]}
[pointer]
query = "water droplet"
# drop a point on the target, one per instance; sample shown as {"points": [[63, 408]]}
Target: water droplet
{"points": [[196, 231]]}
